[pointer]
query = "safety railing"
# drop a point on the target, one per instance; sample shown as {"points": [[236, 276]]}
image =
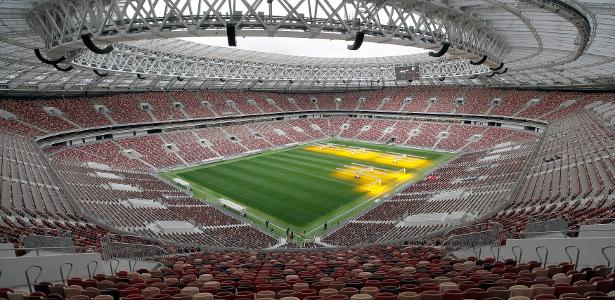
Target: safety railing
{"points": [[474, 239], [62, 243], [45, 251], [538, 228], [113, 250]]}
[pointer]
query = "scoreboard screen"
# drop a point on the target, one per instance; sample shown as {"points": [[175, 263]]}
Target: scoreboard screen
{"points": [[407, 73]]}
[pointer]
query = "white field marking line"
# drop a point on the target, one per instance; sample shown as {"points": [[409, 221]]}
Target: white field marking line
{"points": [[439, 160], [335, 217], [311, 175], [359, 205], [374, 150], [368, 200], [247, 213], [270, 223], [198, 187]]}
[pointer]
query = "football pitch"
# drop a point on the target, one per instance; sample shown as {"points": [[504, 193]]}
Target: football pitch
{"points": [[303, 187]]}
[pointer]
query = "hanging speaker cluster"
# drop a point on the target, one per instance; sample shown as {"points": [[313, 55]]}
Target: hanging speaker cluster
{"points": [[495, 70], [54, 63], [498, 68], [480, 62], [443, 50], [100, 73], [87, 41], [230, 35], [358, 41]]}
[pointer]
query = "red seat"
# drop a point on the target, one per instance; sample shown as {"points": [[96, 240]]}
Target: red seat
{"points": [[133, 297], [465, 285], [544, 297], [245, 295], [224, 296], [302, 294], [453, 295], [605, 285], [385, 296], [429, 287], [476, 293], [431, 295], [564, 289]]}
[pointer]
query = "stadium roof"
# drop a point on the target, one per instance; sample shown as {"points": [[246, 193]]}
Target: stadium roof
{"points": [[542, 43]]}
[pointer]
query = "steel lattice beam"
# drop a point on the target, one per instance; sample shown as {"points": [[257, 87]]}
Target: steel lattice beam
{"points": [[131, 59], [421, 23]]}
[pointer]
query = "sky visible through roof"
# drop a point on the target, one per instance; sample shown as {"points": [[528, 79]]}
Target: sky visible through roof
{"points": [[309, 47]]}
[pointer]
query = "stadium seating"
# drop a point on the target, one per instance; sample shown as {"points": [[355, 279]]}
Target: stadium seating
{"points": [[445, 101], [193, 106], [570, 176], [161, 106], [427, 136], [152, 149], [32, 113], [469, 185], [125, 109], [189, 147], [376, 272], [79, 111], [478, 101], [514, 101], [572, 170]]}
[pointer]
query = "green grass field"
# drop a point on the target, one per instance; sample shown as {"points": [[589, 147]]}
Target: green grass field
{"points": [[294, 188]]}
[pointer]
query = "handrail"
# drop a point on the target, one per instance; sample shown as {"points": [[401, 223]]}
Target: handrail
{"points": [[497, 257], [606, 256], [543, 262], [479, 253], [40, 271], [90, 272], [576, 261], [117, 265], [517, 257], [62, 271], [132, 264]]}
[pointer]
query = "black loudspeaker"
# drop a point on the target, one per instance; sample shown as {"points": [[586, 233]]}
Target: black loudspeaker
{"points": [[230, 35], [67, 69], [87, 41], [480, 62], [498, 68], [140, 76], [38, 54], [443, 50], [358, 41], [99, 73]]}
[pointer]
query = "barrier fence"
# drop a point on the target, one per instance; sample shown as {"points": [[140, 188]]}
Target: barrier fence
{"points": [[474, 239], [538, 228], [61, 243]]}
